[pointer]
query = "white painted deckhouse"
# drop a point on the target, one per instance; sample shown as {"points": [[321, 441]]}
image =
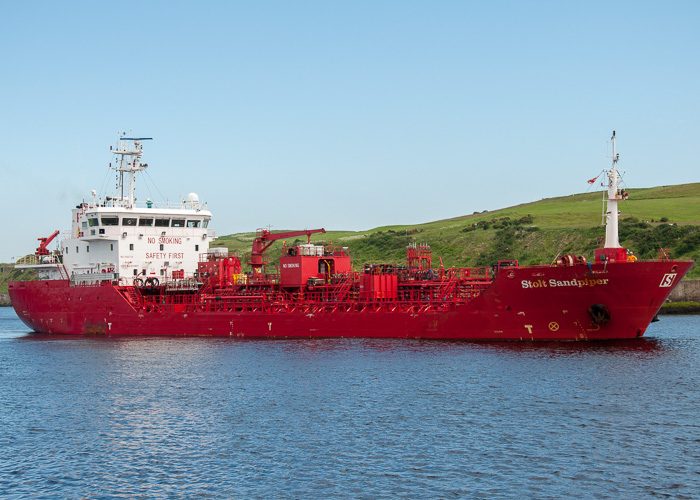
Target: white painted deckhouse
{"points": [[116, 238]]}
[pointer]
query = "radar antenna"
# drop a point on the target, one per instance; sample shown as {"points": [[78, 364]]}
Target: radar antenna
{"points": [[128, 151]]}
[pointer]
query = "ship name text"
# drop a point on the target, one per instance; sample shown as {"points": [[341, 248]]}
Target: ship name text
{"points": [[552, 283]]}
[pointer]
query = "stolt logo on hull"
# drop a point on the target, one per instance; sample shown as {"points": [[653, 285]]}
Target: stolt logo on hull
{"points": [[667, 280]]}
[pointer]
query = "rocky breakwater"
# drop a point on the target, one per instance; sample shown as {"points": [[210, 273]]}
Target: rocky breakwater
{"points": [[685, 299]]}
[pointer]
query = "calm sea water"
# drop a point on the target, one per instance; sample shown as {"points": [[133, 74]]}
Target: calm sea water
{"points": [[223, 418]]}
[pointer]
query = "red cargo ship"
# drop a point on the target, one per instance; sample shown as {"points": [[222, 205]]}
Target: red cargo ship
{"points": [[128, 270]]}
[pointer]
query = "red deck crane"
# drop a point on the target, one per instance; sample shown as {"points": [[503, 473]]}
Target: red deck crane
{"points": [[43, 243], [265, 238]]}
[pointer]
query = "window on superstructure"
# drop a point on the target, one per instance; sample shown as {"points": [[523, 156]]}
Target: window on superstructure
{"points": [[87, 249], [162, 222], [93, 222], [178, 223], [131, 246], [196, 248], [193, 223], [110, 221], [146, 221], [135, 272], [161, 248], [85, 224], [205, 223], [128, 221], [111, 247]]}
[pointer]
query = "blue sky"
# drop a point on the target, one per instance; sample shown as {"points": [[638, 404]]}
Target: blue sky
{"points": [[342, 115]]}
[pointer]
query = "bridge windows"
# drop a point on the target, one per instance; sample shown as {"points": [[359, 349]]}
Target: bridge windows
{"points": [[178, 223], [129, 221], [146, 221], [193, 223], [110, 221], [162, 222]]}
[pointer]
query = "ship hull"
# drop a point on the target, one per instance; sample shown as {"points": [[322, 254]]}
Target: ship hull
{"points": [[524, 303]]}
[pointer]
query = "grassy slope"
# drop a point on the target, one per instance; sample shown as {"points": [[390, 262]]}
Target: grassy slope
{"points": [[569, 224], [9, 273]]}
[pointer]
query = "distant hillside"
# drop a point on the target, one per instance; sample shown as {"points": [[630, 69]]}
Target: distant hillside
{"points": [[533, 233], [9, 273]]}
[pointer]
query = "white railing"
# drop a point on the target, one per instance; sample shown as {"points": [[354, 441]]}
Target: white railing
{"points": [[180, 205]]}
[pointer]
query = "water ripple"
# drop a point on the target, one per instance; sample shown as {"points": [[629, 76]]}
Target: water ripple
{"points": [[218, 418]]}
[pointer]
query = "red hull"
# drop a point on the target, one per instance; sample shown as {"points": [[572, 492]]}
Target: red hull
{"points": [[525, 303]]}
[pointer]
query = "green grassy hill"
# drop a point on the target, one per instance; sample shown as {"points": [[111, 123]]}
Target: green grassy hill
{"points": [[9, 273], [533, 233]]}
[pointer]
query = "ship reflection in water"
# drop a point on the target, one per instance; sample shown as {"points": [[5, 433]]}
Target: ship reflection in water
{"points": [[320, 344], [361, 418]]}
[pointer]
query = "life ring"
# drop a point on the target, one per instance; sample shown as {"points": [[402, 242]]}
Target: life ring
{"points": [[511, 274], [138, 282]]}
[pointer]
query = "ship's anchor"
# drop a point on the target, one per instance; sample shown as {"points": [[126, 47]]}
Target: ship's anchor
{"points": [[600, 314]]}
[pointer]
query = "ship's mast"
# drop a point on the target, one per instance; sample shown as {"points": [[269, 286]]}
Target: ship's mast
{"points": [[129, 151], [611, 227]]}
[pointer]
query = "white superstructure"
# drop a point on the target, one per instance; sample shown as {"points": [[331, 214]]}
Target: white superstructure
{"points": [[116, 238]]}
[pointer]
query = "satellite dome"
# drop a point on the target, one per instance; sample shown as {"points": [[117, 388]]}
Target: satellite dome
{"points": [[192, 199]]}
